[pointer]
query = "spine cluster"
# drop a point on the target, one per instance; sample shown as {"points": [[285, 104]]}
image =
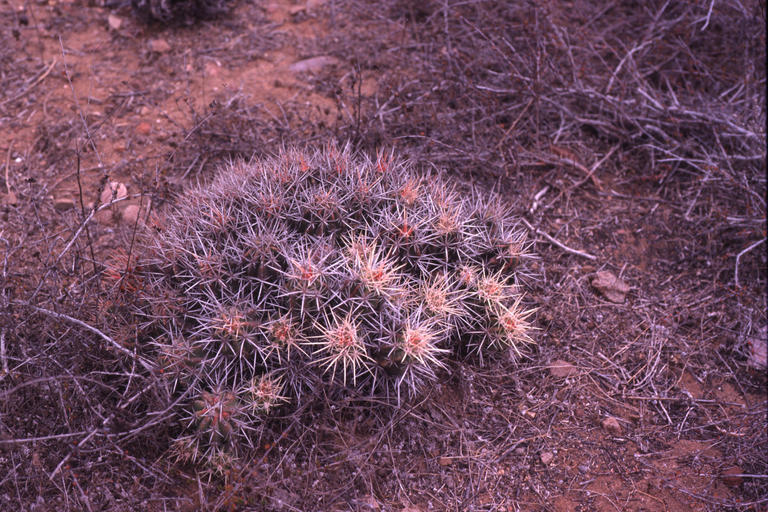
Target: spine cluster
{"points": [[325, 267]]}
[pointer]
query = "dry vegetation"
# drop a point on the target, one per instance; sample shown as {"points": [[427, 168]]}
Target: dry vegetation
{"points": [[628, 136]]}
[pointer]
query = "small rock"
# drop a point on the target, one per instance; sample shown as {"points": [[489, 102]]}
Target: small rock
{"points": [[731, 476], [546, 457], [212, 68], [612, 288], [113, 191], [10, 199], [143, 128], [612, 426], [313, 64], [132, 214], [115, 21], [63, 204], [524, 411], [445, 461], [562, 369], [159, 45], [584, 468]]}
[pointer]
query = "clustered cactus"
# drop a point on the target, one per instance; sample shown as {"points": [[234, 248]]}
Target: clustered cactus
{"points": [[308, 269], [178, 11]]}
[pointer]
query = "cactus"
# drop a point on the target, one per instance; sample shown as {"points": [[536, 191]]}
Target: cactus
{"points": [[178, 11], [316, 269]]}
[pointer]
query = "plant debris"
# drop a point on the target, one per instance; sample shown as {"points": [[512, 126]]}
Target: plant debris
{"points": [[612, 288]]}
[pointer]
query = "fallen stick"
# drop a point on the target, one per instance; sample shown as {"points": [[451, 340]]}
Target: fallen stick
{"points": [[558, 243], [61, 316]]}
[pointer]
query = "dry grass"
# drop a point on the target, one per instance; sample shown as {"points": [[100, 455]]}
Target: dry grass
{"points": [[630, 132]]}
